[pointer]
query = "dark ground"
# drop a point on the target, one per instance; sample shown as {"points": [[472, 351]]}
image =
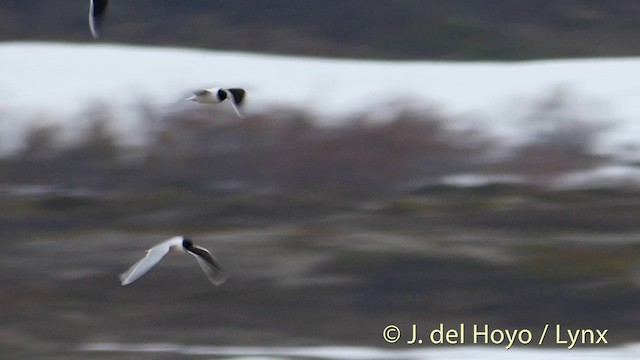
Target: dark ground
{"points": [[512, 259], [407, 29]]}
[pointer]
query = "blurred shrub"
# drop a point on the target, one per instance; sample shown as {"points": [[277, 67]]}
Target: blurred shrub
{"points": [[42, 141], [287, 150], [562, 133]]}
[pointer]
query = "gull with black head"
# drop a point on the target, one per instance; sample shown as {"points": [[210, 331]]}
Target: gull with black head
{"points": [[218, 95], [180, 244]]}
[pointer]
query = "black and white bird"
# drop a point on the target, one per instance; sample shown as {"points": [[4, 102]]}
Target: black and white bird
{"points": [[218, 95], [97, 11], [180, 244]]}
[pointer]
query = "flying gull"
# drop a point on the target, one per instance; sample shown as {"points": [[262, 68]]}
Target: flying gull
{"points": [[97, 11], [218, 95], [180, 244]]}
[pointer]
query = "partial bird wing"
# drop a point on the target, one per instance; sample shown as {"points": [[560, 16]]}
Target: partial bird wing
{"points": [[237, 97], [201, 92], [209, 265], [154, 255], [97, 10]]}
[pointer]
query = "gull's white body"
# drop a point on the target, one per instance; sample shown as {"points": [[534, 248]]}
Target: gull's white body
{"points": [[208, 96], [218, 95], [206, 261]]}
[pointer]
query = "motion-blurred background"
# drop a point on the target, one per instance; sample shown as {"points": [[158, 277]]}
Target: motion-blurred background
{"points": [[331, 225]]}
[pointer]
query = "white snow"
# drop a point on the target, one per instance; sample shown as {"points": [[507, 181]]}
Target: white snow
{"points": [[607, 176], [58, 81]]}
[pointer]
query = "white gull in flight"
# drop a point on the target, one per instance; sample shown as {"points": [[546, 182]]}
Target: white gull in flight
{"points": [[218, 95], [180, 244]]}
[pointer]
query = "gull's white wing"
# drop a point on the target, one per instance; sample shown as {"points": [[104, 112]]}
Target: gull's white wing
{"points": [[209, 265], [235, 108], [154, 255]]}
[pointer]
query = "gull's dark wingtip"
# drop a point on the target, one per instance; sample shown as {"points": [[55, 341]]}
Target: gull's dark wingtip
{"points": [[238, 95]]}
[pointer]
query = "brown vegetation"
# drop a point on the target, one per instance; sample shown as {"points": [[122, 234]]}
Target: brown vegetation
{"points": [[287, 151]]}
